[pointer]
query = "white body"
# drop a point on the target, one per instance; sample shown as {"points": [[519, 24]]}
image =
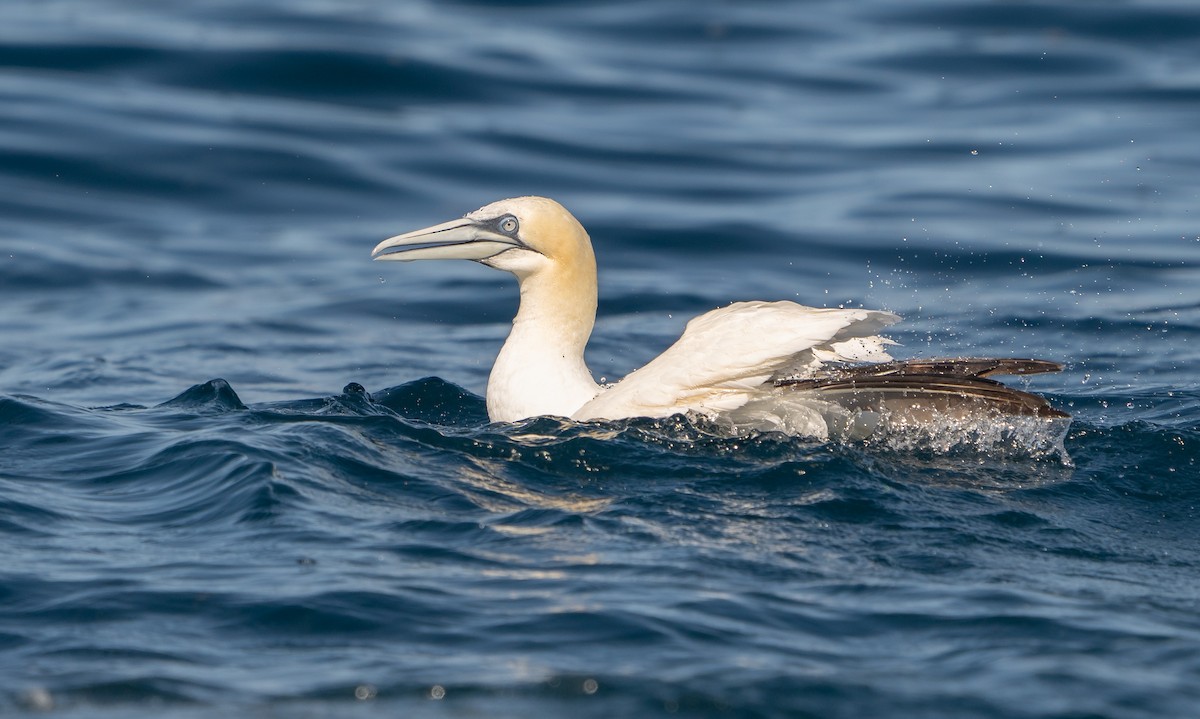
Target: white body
{"points": [[724, 361]]}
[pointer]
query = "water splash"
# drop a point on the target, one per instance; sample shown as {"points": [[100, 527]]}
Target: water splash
{"points": [[991, 434]]}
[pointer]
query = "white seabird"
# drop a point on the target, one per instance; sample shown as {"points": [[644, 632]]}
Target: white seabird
{"points": [[805, 370]]}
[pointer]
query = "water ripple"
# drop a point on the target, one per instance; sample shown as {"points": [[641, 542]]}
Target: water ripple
{"points": [[192, 191]]}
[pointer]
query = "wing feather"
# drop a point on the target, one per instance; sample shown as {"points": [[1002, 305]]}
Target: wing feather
{"points": [[724, 356]]}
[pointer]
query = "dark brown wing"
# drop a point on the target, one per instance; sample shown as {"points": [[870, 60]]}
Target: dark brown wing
{"points": [[927, 387]]}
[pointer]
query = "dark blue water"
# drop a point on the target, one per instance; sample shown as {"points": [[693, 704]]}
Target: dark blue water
{"points": [[191, 191]]}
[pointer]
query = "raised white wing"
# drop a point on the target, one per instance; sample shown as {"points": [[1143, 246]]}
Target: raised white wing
{"points": [[723, 357]]}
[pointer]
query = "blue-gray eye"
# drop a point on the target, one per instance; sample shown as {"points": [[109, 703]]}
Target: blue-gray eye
{"points": [[508, 225]]}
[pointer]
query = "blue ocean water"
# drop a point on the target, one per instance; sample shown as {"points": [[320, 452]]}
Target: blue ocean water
{"points": [[333, 528]]}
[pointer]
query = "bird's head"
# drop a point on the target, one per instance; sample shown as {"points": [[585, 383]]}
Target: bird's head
{"points": [[522, 235]]}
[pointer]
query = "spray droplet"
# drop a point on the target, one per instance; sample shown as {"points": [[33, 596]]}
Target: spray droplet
{"points": [[365, 692]]}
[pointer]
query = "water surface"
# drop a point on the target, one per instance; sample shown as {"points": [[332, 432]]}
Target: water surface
{"points": [[192, 191]]}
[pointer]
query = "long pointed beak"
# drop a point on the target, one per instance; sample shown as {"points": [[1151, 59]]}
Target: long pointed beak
{"points": [[460, 239]]}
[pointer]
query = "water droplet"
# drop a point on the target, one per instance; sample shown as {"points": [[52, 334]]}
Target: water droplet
{"points": [[38, 699], [365, 692]]}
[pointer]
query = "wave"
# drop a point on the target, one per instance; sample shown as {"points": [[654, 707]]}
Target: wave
{"points": [[404, 518]]}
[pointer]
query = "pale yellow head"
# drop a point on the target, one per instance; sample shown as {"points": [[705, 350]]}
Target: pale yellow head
{"points": [[510, 235], [540, 369], [546, 228], [535, 238]]}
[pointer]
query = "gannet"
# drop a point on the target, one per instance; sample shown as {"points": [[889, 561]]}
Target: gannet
{"points": [[805, 370]]}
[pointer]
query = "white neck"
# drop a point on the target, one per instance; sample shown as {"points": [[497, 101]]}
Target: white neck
{"points": [[540, 369]]}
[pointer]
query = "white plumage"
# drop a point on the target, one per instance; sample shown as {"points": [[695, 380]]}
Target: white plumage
{"points": [[728, 356], [779, 364]]}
